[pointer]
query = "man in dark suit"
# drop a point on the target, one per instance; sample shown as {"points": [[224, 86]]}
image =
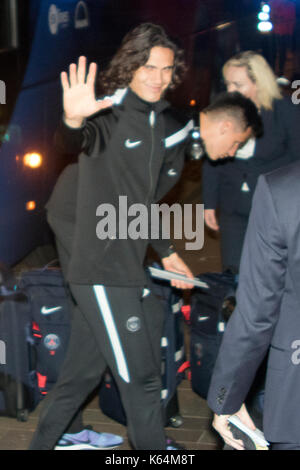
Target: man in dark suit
{"points": [[267, 317]]}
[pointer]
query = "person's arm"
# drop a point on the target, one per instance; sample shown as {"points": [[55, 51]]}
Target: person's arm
{"points": [[261, 285], [171, 261]]}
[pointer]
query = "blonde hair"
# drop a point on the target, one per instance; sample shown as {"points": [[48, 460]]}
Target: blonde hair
{"points": [[260, 73]]}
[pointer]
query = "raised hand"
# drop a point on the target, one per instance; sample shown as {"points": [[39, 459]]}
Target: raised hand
{"points": [[79, 99]]}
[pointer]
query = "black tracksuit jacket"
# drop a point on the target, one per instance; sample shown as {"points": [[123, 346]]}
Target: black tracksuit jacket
{"points": [[134, 149]]}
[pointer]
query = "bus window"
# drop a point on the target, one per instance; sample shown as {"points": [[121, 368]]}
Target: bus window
{"points": [[8, 25], [14, 46]]}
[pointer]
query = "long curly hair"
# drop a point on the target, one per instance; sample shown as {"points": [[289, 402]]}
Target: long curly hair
{"points": [[134, 52], [260, 73]]}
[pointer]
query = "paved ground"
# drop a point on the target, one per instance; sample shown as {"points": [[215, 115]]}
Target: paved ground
{"points": [[194, 434]]}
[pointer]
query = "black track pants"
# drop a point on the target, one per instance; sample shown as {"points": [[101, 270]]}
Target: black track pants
{"points": [[121, 328]]}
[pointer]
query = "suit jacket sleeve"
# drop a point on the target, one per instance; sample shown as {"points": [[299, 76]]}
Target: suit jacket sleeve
{"points": [[261, 285], [290, 120]]}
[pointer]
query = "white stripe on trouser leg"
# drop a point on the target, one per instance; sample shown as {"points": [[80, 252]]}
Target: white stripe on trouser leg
{"points": [[112, 332]]}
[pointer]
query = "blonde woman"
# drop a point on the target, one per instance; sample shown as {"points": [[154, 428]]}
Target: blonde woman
{"points": [[229, 185]]}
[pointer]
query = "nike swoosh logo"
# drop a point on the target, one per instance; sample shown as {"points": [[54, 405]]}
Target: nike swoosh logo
{"points": [[172, 172], [48, 311], [203, 318], [131, 145]]}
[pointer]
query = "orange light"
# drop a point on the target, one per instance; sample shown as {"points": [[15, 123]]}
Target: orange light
{"points": [[30, 205], [33, 159], [193, 103]]}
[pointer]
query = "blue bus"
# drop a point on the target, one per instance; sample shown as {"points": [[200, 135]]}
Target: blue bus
{"points": [[39, 39]]}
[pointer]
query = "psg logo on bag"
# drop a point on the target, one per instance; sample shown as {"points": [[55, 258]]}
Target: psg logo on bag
{"points": [[52, 342]]}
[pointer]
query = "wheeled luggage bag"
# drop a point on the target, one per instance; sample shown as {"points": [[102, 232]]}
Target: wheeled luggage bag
{"points": [[210, 310], [50, 323], [172, 349], [16, 354]]}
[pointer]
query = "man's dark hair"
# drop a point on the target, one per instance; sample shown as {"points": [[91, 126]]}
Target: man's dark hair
{"points": [[134, 52], [239, 108]]}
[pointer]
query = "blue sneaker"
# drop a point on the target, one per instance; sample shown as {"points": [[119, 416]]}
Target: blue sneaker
{"points": [[88, 440]]}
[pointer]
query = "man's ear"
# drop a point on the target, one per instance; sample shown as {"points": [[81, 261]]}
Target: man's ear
{"points": [[225, 126]]}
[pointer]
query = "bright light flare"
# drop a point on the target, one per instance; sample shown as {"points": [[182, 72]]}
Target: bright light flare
{"points": [[266, 8], [265, 26], [263, 16], [30, 205], [33, 159]]}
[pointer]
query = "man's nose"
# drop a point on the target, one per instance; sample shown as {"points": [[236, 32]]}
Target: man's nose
{"points": [[158, 77]]}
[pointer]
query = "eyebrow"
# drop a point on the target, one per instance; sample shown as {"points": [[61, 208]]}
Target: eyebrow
{"points": [[234, 83], [155, 67]]}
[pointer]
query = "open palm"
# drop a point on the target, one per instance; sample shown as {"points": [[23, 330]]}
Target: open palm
{"points": [[79, 99]]}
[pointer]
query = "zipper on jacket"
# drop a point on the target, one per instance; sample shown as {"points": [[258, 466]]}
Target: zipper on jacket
{"points": [[152, 119]]}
